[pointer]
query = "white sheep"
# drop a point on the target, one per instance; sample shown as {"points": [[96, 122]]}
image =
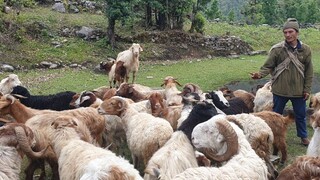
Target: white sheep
{"points": [[222, 140], [145, 133], [7, 84], [263, 100], [314, 146], [81, 160], [130, 57]]}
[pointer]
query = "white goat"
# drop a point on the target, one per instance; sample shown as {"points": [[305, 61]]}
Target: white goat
{"points": [[145, 133], [94, 163], [7, 84], [263, 100], [223, 140], [130, 57]]}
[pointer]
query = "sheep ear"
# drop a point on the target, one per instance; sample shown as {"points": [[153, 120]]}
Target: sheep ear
{"points": [[140, 49], [84, 99]]}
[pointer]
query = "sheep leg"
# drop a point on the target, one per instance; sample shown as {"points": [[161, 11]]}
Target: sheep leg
{"points": [[31, 168], [133, 76], [54, 168], [275, 150], [283, 148]]}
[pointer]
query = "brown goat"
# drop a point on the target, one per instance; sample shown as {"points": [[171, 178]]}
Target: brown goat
{"points": [[160, 109], [303, 168], [128, 91], [315, 102], [278, 125]]}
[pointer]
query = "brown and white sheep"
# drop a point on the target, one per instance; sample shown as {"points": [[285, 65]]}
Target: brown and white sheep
{"points": [[278, 124], [315, 102], [159, 108], [263, 100], [172, 94], [16, 139], [303, 168]]}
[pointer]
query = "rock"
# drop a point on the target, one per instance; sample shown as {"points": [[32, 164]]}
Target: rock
{"points": [[7, 68], [59, 6], [84, 32]]}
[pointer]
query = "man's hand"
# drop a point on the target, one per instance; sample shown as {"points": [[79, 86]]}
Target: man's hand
{"points": [[306, 96], [255, 75]]}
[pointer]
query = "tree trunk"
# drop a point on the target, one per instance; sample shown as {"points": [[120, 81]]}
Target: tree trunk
{"points": [[162, 21], [111, 33], [148, 16]]}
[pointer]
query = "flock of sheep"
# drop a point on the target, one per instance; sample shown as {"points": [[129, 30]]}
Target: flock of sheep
{"points": [[170, 133]]}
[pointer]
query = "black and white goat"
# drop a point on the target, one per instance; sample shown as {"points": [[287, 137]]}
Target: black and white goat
{"points": [[236, 104], [58, 102]]}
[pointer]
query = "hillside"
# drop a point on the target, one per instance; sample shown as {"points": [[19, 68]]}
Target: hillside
{"points": [[40, 34]]}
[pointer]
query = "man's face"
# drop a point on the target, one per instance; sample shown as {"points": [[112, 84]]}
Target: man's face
{"points": [[290, 34]]}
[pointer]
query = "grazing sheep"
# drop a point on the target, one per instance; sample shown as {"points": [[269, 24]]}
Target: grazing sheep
{"points": [[130, 58], [178, 154], [278, 124], [15, 140], [94, 162], [58, 102], [222, 140], [314, 146], [263, 100], [303, 168], [172, 94], [145, 133], [7, 84], [315, 102]]}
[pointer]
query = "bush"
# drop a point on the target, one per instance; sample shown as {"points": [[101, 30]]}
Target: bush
{"points": [[199, 23]]}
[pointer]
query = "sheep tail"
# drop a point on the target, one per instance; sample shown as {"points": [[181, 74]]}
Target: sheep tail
{"points": [[289, 118]]}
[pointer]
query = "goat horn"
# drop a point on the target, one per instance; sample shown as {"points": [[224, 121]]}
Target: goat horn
{"points": [[231, 139], [10, 98], [25, 145], [123, 104]]}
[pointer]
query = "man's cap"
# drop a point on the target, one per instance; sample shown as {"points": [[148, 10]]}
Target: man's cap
{"points": [[291, 23]]}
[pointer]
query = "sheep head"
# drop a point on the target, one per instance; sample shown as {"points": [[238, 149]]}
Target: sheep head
{"points": [[7, 84], [315, 119], [218, 142], [26, 141], [190, 88], [170, 81], [113, 106], [315, 101], [218, 99], [125, 90], [106, 65], [136, 49], [157, 104], [5, 102]]}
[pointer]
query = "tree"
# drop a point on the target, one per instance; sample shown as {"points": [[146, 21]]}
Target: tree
{"points": [[231, 16], [269, 11], [116, 10], [213, 11], [198, 5], [253, 12]]}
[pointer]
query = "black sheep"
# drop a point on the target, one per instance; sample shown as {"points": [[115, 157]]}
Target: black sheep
{"points": [[58, 102], [201, 112]]}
